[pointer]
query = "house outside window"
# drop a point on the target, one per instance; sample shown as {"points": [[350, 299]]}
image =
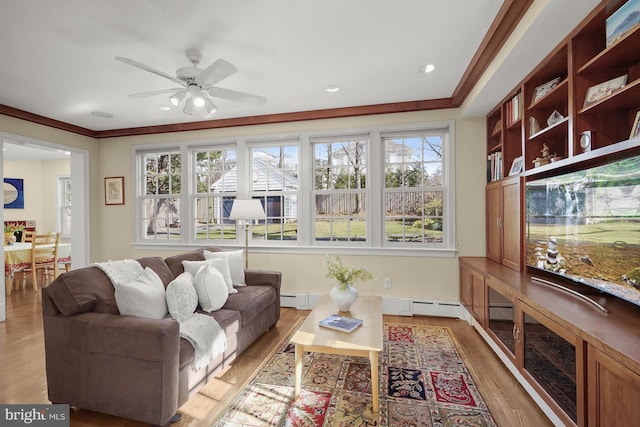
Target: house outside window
{"points": [[274, 180], [216, 179]]}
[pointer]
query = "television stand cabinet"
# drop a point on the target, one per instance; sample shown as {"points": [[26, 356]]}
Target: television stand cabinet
{"points": [[580, 363]]}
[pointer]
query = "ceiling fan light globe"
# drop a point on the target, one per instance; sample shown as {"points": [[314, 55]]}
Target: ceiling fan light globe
{"points": [[188, 107], [178, 98], [199, 100], [209, 108]]}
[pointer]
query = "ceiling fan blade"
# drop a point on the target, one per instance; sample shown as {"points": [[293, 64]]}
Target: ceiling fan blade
{"points": [[154, 92], [149, 69], [234, 95], [216, 72]]}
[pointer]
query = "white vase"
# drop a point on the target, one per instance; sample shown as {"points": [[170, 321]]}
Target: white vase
{"points": [[344, 298]]}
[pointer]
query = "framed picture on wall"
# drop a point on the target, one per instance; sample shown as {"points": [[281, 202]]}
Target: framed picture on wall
{"points": [[114, 190], [13, 193]]}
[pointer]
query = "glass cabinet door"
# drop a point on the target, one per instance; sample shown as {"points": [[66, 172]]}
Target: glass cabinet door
{"points": [[549, 357], [501, 320]]}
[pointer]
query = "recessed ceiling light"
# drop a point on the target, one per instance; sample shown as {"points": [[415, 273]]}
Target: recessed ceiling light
{"points": [[333, 88], [427, 68], [102, 114], [164, 107]]}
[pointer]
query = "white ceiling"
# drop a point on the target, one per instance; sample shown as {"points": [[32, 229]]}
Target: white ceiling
{"points": [[58, 56]]}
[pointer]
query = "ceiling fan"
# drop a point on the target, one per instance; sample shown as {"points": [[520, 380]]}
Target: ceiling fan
{"points": [[198, 85]]}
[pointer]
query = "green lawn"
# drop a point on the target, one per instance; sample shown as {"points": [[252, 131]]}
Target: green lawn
{"points": [[323, 229]]}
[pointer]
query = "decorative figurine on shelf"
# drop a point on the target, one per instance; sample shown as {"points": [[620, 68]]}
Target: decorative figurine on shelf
{"points": [[545, 158], [545, 151]]}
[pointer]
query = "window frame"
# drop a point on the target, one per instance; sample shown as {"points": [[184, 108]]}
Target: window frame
{"points": [[376, 240]]}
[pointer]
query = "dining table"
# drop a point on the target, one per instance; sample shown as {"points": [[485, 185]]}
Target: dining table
{"points": [[17, 257]]}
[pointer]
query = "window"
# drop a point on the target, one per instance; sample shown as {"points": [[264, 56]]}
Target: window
{"points": [[274, 180], [160, 198], [64, 206], [414, 191], [216, 178], [340, 191], [387, 188]]}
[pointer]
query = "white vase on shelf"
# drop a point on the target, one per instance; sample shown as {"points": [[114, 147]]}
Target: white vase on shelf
{"points": [[343, 298]]}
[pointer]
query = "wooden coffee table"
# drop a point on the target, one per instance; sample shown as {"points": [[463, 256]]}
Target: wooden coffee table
{"points": [[365, 341]]}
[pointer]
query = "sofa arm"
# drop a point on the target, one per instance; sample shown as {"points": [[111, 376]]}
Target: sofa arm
{"points": [[119, 365], [136, 337], [263, 277]]}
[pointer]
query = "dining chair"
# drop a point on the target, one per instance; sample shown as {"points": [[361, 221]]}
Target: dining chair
{"points": [[27, 236], [44, 255]]}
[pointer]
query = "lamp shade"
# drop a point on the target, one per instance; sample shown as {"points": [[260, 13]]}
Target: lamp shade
{"points": [[246, 210]]}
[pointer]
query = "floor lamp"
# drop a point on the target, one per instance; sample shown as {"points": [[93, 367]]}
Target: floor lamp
{"points": [[245, 211]]}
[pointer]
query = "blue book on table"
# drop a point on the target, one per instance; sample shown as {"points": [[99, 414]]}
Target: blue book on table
{"points": [[340, 323]]}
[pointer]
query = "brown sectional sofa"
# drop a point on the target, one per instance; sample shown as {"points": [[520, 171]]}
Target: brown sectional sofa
{"points": [[134, 367]]}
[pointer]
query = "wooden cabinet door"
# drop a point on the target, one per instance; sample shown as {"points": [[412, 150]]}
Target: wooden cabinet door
{"points": [[613, 391], [494, 220], [511, 248], [472, 293], [466, 290], [478, 292]]}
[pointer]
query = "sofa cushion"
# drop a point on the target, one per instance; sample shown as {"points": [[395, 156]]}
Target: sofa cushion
{"points": [[161, 268], [142, 297], [182, 298], [236, 263], [82, 290], [250, 301], [211, 288], [220, 264], [175, 262]]}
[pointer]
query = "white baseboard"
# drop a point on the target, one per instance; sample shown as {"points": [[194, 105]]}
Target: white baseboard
{"points": [[394, 306]]}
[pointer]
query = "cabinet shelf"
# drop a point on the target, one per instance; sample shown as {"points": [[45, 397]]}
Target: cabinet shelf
{"points": [[621, 54], [624, 98], [556, 96], [555, 130]]}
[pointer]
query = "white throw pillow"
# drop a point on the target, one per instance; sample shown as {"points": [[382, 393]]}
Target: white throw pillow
{"points": [[222, 265], [236, 264], [182, 299], [143, 297], [211, 289]]}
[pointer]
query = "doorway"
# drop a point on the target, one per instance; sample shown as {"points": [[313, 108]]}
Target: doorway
{"points": [[17, 148]]}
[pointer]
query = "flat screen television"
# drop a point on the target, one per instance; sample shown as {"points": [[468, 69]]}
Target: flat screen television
{"points": [[585, 226]]}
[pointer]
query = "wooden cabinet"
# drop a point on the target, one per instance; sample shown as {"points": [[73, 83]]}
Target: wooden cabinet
{"points": [[613, 391], [472, 293], [503, 210], [580, 364], [561, 116]]}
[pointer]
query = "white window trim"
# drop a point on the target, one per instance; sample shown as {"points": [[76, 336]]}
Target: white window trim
{"points": [[376, 244]]}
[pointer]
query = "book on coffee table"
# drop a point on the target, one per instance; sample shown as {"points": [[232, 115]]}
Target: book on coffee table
{"points": [[340, 323]]}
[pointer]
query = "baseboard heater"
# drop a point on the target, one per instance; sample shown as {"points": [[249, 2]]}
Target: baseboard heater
{"points": [[435, 308]]}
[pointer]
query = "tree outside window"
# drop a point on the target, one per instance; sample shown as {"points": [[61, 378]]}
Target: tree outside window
{"points": [[414, 193], [340, 171]]}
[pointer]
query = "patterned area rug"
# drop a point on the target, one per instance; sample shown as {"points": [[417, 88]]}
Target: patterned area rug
{"points": [[423, 382]]}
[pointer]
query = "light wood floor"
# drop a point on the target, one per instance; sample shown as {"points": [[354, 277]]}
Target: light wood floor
{"points": [[22, 369]]}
